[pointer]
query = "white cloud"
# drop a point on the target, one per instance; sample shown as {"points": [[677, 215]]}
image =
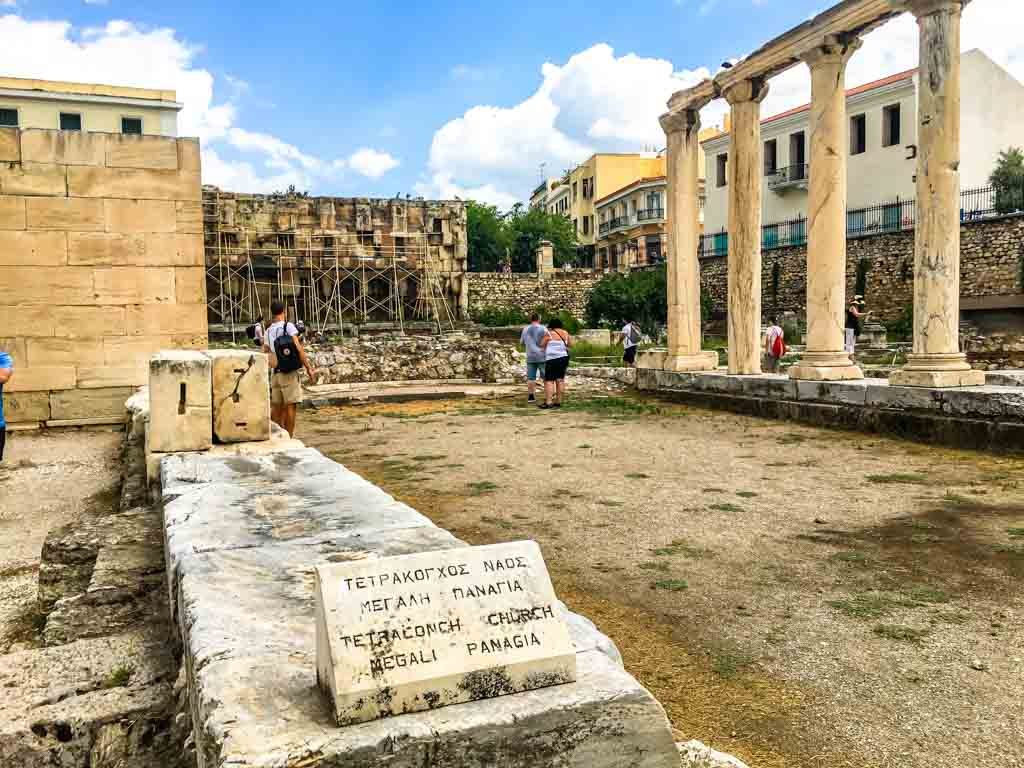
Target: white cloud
{"points": [[92, 2], [371, 163], [124, 53]]}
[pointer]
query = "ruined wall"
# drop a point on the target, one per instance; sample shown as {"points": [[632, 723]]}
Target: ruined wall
{"points": [[101, 264], [293, 241], [560, 290], [991, 256]]}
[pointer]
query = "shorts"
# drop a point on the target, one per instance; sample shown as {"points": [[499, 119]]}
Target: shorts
{"points": [[554, 370], [3, 441], [629, 354], [533, 370], [285, 389]]}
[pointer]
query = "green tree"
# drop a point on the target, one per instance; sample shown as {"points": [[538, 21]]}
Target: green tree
{"points": [[1008, 180], [640, 296], [487, 237], [526, 230]]}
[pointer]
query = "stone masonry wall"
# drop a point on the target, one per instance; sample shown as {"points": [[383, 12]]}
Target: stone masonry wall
{"points": [[101, 264], [990, 265], [561, 290]]}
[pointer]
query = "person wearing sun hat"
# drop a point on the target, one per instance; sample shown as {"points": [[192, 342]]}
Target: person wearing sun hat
{"points": [[855, 316]]}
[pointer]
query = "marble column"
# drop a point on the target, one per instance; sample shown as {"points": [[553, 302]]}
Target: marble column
{"points": [[936, 360], [745, 177], [683, 223], [825, 358]]}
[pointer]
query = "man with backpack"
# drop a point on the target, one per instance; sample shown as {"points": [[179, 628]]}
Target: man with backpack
{"points": [[631, 336], [287, 356], [774, 346]]}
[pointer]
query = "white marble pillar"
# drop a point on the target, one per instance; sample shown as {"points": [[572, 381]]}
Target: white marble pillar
{"points": [[825, 358], [936, 360], [745, 176], [683, 222]]}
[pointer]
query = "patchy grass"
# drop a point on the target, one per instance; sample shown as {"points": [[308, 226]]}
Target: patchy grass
{"points": [[672, 585], [791, 439], [1015, 533], [429, 457], [728, 663], [714, 490], [638, 476], [491, 520], [849, 556], [680, 547], [726, 507], [119, 677], [481, 487], [653, 565], [584, 446], [617, 407], [867, 605], [900, 633], [900, 478], [746, 494], [610, 503]]}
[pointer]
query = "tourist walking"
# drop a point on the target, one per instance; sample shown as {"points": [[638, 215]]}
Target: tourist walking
{"points": [[855, 316], [531, 338], [287, 356], [556, 344], [630, 335], [6, 367], [774, 346]]}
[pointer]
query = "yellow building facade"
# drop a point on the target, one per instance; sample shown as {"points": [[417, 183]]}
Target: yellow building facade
{"points": [[58, 105]]}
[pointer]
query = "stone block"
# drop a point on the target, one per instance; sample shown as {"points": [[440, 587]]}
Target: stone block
{"points": [[41, 379], [912, 377], [12, 212], [190, 285], [33, 179], [88, 403], [129, 351], [718, 382], [26, 406], [133, 285], [54, 285], [62, 147], [25, 320], [912, 398], [189, 157], [990, 401], [106, 376], [33, 249], [88, 322], [133, 183], [1007, 378], [189, 217], [494, 616], [16, 348], [152, 152], [10, 145], [180, 392], [769, 385], [838, 392], [166, 319], [138, 216], [174, 250], [241, 398], [65, 213], [58, 352], [103, 249]]}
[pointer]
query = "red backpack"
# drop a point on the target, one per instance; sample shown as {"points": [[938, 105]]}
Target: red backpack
{"points": [[778, 347]]}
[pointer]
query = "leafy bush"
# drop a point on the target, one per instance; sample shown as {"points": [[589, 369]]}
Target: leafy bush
{"points": [[902, 328], [640, 296], [498, 316], [1008, 179]]}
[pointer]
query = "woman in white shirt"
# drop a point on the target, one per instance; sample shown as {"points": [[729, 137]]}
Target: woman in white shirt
{"points": [[556, 343]]}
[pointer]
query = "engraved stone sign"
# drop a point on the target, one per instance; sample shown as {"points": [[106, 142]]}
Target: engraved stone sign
{"points": [[415, 632]]}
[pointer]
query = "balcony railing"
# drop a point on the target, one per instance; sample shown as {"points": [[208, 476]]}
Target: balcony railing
{"points": [[789, 177], [650, 214], [612, 224]]}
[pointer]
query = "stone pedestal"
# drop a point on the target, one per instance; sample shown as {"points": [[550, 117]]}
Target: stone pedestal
{"points": [[241, 398], [825, 358], [180, 412], [937, 360], [662, 359], [745, 178], [545, 258]]}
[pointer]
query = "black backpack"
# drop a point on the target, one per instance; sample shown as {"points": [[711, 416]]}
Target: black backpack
{"points": [[286, 351]]}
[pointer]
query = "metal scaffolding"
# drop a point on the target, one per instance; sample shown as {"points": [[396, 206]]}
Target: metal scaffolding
{"points": [[324, 278]]}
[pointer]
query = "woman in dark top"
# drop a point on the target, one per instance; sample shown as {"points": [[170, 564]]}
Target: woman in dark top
{"points": [[855, 316]]}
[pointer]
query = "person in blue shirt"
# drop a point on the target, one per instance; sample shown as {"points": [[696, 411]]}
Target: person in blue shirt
{"points": [[6, 366]]}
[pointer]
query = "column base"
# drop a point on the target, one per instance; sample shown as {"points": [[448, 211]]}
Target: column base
{"points": [[825, 366], [663, 360], [937, 372]]}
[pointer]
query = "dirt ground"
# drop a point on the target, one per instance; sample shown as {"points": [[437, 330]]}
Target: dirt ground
{"points": [[46, 479], [792, 595]]}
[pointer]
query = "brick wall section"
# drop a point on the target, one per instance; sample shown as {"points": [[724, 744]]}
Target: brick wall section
{"points": [[562, 290], [101, 264], [990, 265]]}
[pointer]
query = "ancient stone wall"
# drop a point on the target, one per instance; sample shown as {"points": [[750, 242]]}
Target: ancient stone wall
{"points": [[561, 290], [101, 264], [991, 255]]}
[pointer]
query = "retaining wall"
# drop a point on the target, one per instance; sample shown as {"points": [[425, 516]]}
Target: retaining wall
{"points": [[554, 291], [101, 264]]}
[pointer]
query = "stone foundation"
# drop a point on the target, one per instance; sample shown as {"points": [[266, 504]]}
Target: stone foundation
{"points": [[525, 292]]}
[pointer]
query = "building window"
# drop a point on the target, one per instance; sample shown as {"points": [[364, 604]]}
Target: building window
{"points": [[771, 157], [132, 125], [9, 118], [891, 126], [576, 226], [575, 190], [586, 225], [70, 121], [798, 155], [721, 162], [858, 134]]}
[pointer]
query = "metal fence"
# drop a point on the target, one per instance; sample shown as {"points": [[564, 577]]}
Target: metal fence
{"points": [[897, 216]]}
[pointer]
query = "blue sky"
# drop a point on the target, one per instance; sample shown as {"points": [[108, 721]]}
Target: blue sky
{"points": [[466, 98]]}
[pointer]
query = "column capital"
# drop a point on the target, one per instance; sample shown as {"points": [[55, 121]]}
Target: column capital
{"points": [[680, 121], [928, 7], [746, 90], [832, 50]]}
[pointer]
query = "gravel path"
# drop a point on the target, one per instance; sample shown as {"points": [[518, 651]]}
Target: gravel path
{"points": [[794, 596]]}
